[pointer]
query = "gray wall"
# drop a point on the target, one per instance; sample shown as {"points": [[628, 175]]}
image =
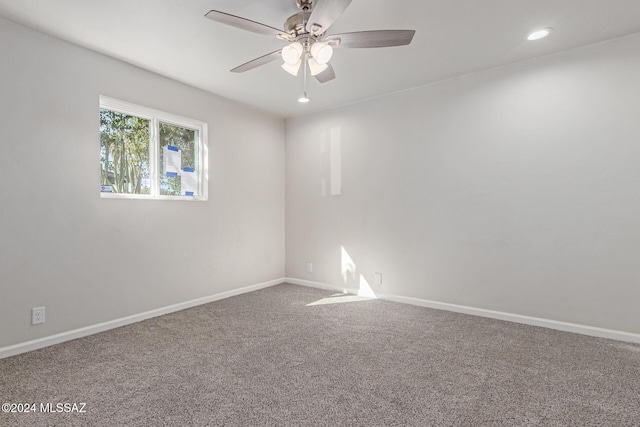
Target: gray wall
{"points": [[90, 260], [515, 190]]}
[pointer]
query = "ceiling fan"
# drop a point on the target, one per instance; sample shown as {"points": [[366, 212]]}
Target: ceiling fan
{"points": [[309, 43]]}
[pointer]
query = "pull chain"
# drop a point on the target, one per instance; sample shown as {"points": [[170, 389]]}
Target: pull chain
{"points": [[306, 57]]}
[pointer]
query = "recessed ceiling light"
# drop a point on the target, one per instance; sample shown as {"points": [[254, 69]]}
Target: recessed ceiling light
{"points": [[539, 34]]}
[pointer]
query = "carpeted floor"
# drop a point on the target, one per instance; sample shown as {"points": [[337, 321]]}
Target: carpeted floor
{"points": [[295, 356]]}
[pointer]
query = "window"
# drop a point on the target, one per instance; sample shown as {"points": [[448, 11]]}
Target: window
{"points": [[145, 153]]}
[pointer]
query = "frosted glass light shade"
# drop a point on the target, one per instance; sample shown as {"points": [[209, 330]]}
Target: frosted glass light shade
{"points": [[292, 68], [321, 52], [291, 53], [315, 67]]}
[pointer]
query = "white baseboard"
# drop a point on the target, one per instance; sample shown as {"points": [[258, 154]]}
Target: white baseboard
{"points": [[318, 285], [100, 327], [509, 317], [12, 350]]}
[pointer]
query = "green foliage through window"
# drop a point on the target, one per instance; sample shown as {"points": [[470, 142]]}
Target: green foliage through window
{"points": [[145, 153], [124, 152]]}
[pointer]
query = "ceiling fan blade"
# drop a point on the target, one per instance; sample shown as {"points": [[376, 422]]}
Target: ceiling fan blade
{"points": [[324, 14], [326, 75], [244, 24], [367, 39], [265, 59]]}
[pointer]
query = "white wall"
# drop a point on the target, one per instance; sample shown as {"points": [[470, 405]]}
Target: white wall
{"points": [[515, 190], [91, 260]]}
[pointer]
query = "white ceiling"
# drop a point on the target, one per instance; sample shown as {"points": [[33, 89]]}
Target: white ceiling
{"points": [[453, 37]]}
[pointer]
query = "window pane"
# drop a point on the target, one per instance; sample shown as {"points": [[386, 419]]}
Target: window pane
{"points": [[124, 153], [178, 160]]}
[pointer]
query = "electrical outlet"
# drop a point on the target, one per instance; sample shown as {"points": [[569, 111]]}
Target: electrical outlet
{"points": [[309, 267], [377, 279], [37, 315]]}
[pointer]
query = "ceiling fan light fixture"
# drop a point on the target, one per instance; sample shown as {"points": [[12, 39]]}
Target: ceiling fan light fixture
{"points": [[292, 68], [321, 52], [315, 67], [304, 99], [539, 34], [308, 46], [291, 53]]}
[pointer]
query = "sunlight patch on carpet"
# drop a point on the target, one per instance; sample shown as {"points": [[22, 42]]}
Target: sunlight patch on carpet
{"points": [[339, 299]]}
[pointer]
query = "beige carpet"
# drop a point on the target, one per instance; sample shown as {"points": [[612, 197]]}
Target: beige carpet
{"points": [[294, 356]]}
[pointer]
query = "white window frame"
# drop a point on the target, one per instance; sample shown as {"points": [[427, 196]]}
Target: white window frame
{"points": [[155, 117]]}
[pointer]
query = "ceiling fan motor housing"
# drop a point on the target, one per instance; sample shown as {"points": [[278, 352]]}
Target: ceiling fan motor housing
{"points": [[296, 24]]}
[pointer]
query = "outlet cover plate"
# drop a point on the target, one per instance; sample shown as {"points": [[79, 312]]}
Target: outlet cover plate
{"points": [[37, 315], [377, 279]]}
